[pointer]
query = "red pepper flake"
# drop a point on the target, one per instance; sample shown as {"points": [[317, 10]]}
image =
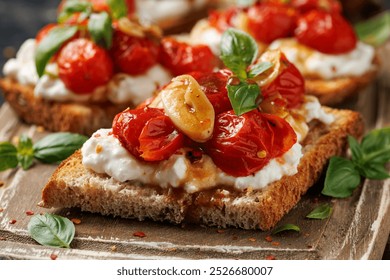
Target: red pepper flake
{"points": [[1, 210], [53, 257], [235, 237], [171, 249], [270, 257], [268, 238], [29, 213], [139, 234], [220, 231], [76, 221], [309, 246], [12, 222], [1, 183], [2, 238], [275, 243], [252, 239]]}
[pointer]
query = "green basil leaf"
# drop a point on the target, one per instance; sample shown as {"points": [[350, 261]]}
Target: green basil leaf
{"points": [[257, 69], [8, 156], [285, 228], [243, 97], [51, 44], [357, 153], [375, 171], [321, 212], [58, 146], [51, 230], [99, 27], [376, 146], [118, 8], [238, 51], [341, 179], [25, 152], [74, 6], [375, 31]]}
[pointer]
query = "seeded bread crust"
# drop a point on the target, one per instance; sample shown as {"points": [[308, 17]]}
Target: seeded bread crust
{"points": [[83, 118], [73, 185]]}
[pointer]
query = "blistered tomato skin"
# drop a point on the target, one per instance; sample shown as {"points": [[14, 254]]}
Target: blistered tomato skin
{"points": [[270, 21], [222, 20], [326, 32], [133, 55], [305, 6], [214, 86], [242, 145], [182, 58], [84, 66], [290, 84], [147, 133]]}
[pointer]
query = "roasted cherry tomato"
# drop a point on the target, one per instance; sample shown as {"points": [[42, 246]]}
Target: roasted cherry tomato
{"points": [[133, 55], [214, 86], [159, 139], [83, 66], [223, 20], [242, 145], [304, 6], [147, 133], [270, 21], [290, 84], [102, 5], [182, 58], [326, 32]]}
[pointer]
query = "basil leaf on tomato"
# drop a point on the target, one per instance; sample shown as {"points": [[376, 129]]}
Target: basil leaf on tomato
{"points": [[51, 44], [118, 8], [375, 31], [321, 212], [258, 69], [74, 6], [8, 156], [58, 146], [51, 230], [243, 97], [99, 27], [25, 152], [238, 51], [342, 178]]}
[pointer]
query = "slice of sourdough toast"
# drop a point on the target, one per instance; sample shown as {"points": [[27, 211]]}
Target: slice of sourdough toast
{"points": [[83, 118], [73, 185]]}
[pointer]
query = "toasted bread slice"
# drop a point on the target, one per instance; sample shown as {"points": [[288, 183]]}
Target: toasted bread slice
{"points": [[73, 185], [83, 118]]}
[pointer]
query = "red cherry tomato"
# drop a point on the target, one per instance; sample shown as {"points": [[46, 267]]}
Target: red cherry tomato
{"points": [[133, 55], [182, 58], [270, 21], [242, 145], [83, 66], [147, 133], [159, 139], [305, 6], [290, 84], [223, 20], [326, 32], [214, 86]]}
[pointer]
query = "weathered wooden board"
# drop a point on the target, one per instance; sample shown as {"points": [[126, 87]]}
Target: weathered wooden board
{"points": [[358, 228]]}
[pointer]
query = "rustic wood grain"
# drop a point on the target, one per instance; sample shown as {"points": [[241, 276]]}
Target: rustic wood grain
{"points": [[358, 228]]}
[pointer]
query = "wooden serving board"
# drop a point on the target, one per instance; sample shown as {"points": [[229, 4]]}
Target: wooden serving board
{"points": [[358, 228]]}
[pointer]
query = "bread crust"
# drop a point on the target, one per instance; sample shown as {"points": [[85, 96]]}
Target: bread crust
{"points": [[73, 185], [83, 118]]}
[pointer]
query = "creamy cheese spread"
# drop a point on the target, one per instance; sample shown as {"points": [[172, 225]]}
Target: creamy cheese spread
{"points": [[313, 63], [122, 87], [103, 153], [204, 33]]}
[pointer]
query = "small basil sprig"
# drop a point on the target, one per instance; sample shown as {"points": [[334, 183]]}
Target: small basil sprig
{"points": [[286, 227], [51, 230], [51, 44], [50, 149], [368, 160], [321, 212], [100, 29], [71, 7], [238, 52], [375, 31], [118, 8]]}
